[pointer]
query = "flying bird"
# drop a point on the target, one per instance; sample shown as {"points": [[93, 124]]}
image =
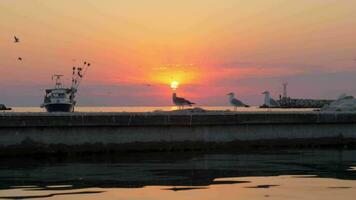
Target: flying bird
{"points": [[235, 102], [16, 39], [19, 58], [269, 102], [181, 102]]}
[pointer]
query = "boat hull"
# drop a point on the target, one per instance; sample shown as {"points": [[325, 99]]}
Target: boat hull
{"points": [[3, 107], [59, 107]]}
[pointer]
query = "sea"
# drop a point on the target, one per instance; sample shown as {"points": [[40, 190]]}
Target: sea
{"points": [[260, 175]]}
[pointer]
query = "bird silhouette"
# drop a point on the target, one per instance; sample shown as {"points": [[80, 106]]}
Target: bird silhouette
{"points": [[181, 102], [235, 102], [16, 39], [19, 58]]}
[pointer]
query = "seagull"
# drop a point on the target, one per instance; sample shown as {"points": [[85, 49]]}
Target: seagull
{"points": [[235, 102], [180, 102], [16, 39], [269, 102]]}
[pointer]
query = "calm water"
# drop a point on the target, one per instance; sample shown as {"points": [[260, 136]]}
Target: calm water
{"points": [[268, 175], [150, 109]]}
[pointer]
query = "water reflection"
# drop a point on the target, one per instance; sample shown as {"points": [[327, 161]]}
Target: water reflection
{"points": [[185, 188], [262, 186], [177, 172], [50, 195]]}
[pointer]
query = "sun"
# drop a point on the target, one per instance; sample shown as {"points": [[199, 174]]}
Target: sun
{"points": [[174, 85]]}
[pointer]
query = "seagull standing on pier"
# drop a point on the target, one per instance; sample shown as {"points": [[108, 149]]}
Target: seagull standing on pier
{"points": [[269, 102], [181, 102], [235, 102]]}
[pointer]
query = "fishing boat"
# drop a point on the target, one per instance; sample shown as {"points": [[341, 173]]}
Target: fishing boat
{"points": [[61, 98]]}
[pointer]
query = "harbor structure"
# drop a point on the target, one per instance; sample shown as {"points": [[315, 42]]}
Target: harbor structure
{"points": [[344, 103], [285, 101], [285, 94], [30, 133]]}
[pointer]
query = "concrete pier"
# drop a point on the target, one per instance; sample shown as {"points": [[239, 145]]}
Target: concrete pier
{"points": [[26, 133]]}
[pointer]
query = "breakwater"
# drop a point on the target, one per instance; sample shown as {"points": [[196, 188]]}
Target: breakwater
{"points": [[164, 131]]}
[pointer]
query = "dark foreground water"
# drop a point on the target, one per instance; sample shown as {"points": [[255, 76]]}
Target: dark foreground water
{"points": [[224, 175]]}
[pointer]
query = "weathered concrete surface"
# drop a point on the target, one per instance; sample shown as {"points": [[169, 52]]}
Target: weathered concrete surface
{"points": [[96, 132]]}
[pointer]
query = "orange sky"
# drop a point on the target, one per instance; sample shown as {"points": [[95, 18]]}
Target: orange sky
{"points": [[211, 47]]}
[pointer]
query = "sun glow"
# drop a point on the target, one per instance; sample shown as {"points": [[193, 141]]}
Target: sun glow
{"points": [[173, 76], [174, 85]]}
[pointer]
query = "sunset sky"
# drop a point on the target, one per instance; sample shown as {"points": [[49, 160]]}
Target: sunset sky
{"points": [[211, 47]]}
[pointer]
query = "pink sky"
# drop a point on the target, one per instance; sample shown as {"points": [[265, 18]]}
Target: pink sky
{"points": [[211, 47]]}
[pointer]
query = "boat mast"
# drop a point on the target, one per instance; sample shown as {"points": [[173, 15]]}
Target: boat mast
{"points": [[57, 78]]}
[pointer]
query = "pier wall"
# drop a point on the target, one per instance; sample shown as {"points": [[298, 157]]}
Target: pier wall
{"points": [[97, 132]]}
